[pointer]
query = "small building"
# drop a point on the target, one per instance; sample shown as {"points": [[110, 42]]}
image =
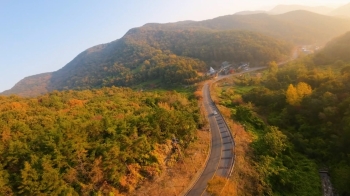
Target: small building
{"points": [[244, 66], [211, 71]]}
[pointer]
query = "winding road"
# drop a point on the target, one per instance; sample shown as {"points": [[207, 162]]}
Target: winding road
{"points": [[221, 158]]}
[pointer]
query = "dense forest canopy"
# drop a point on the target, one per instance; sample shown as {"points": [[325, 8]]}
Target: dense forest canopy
{"points": [[307, 101], [87, 142], [213, 45]]}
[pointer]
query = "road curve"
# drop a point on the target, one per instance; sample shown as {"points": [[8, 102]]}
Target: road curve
{"points": [[221, 157]]}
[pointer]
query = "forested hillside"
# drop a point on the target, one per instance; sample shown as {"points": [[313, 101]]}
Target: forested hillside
{"points": [[299, 27], [30, 86], [213, 45], [307, 104], [179, 53], [91, 142], [169, 56], [161, 57], [336, 50]]}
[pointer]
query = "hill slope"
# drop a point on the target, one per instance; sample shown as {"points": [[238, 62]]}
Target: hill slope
{"points": [[166, 56], [336, 50], [177, 53], [171, 57], [299, 27], [31, 85], [310, 104]]}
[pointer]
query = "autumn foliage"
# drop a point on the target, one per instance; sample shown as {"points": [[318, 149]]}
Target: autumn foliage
{"points": [[91, 142], [296, 94]]}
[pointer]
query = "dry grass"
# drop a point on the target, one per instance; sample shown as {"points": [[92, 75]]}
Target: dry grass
{"points": [[220, 186], [176, 178]]}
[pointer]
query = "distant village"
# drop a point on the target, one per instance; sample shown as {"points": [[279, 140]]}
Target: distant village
{"points": [[309, 49], [227, 68]]}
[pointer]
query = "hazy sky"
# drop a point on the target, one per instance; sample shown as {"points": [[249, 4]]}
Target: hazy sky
{"points": [[42, 36]]}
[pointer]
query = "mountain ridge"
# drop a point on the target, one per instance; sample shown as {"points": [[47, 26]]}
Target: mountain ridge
{"points": [[342, 11], [281, 9], [249, 12], [145, 52]]}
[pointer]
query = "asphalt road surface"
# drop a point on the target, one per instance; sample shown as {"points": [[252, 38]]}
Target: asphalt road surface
{"points": [[221, 157]]}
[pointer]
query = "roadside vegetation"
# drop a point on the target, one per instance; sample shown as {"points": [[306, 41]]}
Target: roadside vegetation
{"points": [[297, 117], [220, 186], [105, 141]]}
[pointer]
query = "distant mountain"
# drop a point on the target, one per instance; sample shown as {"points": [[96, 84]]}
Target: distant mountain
{"points": [[251, 12], [299, 27], [281, 9], [342, 11], [180, 53], [31, 85], [163, 57], [169, 57], [336, 50]]}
